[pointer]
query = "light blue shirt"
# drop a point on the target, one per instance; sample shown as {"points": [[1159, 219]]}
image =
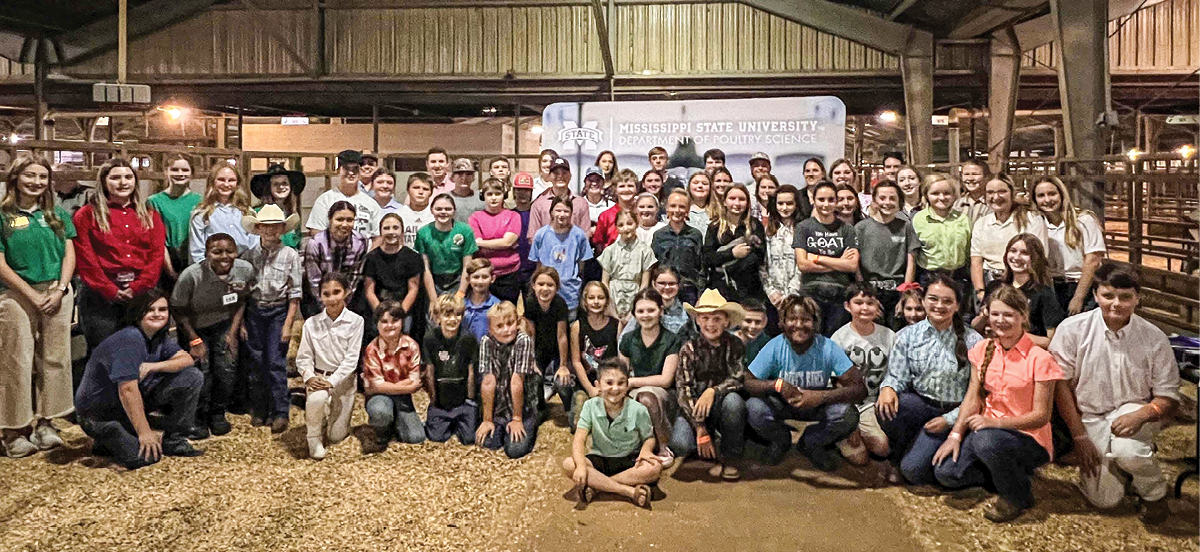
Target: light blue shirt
{"points": [[923, 362], [225, 219], [563, 253], [812, 370]]}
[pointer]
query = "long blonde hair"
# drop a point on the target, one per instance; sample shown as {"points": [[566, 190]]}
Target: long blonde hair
{"points": [[1070, 214], [8, 205], [240, 199], [99, 200]]}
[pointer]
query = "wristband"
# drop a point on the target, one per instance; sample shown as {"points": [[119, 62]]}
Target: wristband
{"points": [[196, 342], [703, 439], [1157, 409], [816, 259], [779, 385], [955, 435]]}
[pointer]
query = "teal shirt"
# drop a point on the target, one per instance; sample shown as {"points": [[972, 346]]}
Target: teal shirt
{"points": [[30, 246], [617, 437], [176, 214]]}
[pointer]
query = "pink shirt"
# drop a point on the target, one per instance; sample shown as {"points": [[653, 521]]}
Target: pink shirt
{"points": [[492, 227], [539, 213], [1011, 379]]}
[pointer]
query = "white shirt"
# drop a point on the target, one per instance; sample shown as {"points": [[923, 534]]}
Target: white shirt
{"points": [[647, 234], [1111, 369], [329, 348], [413, 221], [539, 186], [989, 238], [594, 210], [1066, 261], [366, 219]]}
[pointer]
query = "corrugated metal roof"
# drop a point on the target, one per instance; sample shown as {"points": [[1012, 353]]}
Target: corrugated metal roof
{"points": [[1161, 37]]}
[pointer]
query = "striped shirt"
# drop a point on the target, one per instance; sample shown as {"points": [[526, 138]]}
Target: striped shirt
{"points": [[279, 275], [922, 361]]}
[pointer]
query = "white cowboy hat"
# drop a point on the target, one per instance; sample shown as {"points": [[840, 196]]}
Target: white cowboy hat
{"points": [[712, 301], [270, 214]]}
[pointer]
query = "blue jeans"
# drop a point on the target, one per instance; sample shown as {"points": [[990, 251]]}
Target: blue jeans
{"points": [[174, 395], [912, 448], [834, 422], [1005, 457], [268, 361], [220, 372], [726, 420], [514, 449], [461, 421], [395, 412]]}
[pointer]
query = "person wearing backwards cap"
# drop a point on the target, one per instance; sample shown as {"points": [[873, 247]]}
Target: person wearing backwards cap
{"points": [[466, 200], [282, 188], [367, 211], [560, 180]]}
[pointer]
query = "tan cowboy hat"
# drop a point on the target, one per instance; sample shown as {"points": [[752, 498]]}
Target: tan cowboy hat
{"points": [[270, 214], [712, 301]]}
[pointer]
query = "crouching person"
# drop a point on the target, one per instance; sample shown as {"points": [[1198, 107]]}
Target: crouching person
{"points": [[391, 374], [135, 371], [326, 360], [451, 356], [1121, 382], [509, 373], [621, 459]]}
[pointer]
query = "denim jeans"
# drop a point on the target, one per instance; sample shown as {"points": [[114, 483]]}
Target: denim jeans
{"points": [[461, 421], [1006, 457], [514, 449], [386, 413], [268, 361], [174, 395], [219, 369], [726, 421], [834, 422], [912, 448]]}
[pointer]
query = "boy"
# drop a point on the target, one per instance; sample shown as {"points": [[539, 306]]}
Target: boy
{"points": [[510, 385], [621, 458], [522, 202], [450, 360], [751, 330], [867, 344], [391, 373], [480, 276]]}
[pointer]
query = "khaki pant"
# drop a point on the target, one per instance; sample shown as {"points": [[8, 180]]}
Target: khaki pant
{"points": [[35, 360], [327, 412], [1124, 460]]}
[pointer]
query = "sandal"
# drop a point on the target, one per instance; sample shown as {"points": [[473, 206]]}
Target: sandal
{"points": [[641, 496]]}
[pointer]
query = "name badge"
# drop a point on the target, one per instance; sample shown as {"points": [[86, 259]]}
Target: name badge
{"points": [[229, 299], [20, 222]]}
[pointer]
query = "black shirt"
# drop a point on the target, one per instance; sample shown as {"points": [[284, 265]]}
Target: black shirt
{"points": [[545, 323], [452, 359], [732, 276], [391, 272], [1045, 313], [596, 345]]}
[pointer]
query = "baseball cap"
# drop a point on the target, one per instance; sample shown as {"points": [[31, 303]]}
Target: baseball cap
{"points": [[523, 180], [760, 156], [462, 164], [560, 163], [592, 170], [370, 156], [350, 156]]}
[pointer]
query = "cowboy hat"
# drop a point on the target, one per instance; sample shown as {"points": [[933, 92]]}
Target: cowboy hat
{"points": [[260, 184], [270, 214], [712, 301]]}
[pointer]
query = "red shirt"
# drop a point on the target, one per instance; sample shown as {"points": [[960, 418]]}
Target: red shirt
{"points": [[606, 228], [127, 252], [380, 366]]}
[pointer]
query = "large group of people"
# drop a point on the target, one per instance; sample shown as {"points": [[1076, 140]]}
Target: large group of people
{"points": [[953, 329]]}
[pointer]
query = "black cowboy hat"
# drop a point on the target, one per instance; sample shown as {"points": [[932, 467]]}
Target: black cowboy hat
{"points": [[260, 184]]}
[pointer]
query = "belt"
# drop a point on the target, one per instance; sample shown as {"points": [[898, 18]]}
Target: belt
{"points": [[884, 285], [323, 372], [944, 406]]}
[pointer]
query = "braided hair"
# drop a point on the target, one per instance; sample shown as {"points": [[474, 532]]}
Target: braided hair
{"points": [[1014, 299]]}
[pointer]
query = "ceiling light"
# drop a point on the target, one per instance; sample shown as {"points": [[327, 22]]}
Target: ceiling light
{"points": [[536, 129], [889, 116], [1186, 151], [1133, 154]]}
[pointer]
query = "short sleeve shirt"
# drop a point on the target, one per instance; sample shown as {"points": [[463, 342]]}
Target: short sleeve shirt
{"points": [[647, 360], [616, 437], [945, 242], [812, 370], [209, 298], [402, 363], [452, 359], [116, 360], [366, 217], [413, 222], [868, 352], [30, 246], [176, 213], [1066, 261], [392, 271], [563, 252], [1011, 379], [884, 248], [446, 249], [545, 324], [990, 237], [826, 240]]}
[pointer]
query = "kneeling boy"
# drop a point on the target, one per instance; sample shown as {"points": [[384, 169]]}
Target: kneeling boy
{"points": [[509, 372], [451, 356], [391, 374]]}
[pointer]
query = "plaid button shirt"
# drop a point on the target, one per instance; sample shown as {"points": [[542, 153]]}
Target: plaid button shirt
{"points": [[279, 274], [320, 259], [703, 366], [503, 360]]}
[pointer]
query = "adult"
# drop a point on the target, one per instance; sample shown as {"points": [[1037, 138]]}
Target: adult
{"points": [[496, 231], [366, 209], [973, 201], [735, 246], [138, 370], [37, 260], [625, 189], [944, 232], [539, 213], [175, 205], [415, 211], [888, 246], [119, 250], [992, 232], [780, 275], [1121, 383], [466, 200], [220, 212], [437, 166], [1075, 240], [827, 255], [713, 159], [793, 378], [680, 246], [339, 248], [282, 188]]}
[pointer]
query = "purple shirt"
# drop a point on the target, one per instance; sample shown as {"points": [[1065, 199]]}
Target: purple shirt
{"points": [[320, 258]]}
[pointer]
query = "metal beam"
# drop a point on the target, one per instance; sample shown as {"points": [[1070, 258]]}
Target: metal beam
{"points": [[97, 37], [916, 70], [849, 23], [903, 7], [1040, 31], [602, 34], [991, 16], [1003, 84]]}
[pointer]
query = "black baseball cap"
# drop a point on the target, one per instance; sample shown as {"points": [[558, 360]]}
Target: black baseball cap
{"points": [[349, 157], [560, 163]]}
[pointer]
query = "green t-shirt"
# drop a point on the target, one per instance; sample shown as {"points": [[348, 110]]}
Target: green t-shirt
{"points": [[30, 246], [446, 249], [620, 436], [756, 345], [648, 361], [176, 214]]}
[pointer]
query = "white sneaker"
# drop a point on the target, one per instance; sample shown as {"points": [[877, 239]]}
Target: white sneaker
{"points": [[19, 447], [666, 457], [316, 450], [45, 437]]}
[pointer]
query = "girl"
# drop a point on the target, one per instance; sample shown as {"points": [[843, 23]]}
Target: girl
{"points": [[626, 265], [564, 247], [889, 248], [652, 353], [702, 209], [593, 339], [383, 187], [990, 235], [445, 245], [973, 202], [393, 271], [282, 188], [175, 205], [339, 248], [764, 190], [607, 161], [944, 232], [37, 260], [1076, 243], [722, 179], [221, 211], [735, 246], [843, 172], [1003, 429], [546, 319], [626, 191], [391, 374], [119, 250], [496, 230], [909, 181], [814, 171], [779, 274], [542, 182], [665, 280], [1025, 268], [647, 208], [652, 182], [910, 309], [849, 209], [328, 355], [827, 254]]}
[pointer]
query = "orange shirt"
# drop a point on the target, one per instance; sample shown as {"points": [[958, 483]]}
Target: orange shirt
{"points": [[1011, 379], [381, 366]]}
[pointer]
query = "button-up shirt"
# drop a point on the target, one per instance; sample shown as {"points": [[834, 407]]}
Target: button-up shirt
{"points": [[704, 366], [780, 275], [1011, 380], [225, 219], [503, 360], [329, 348], [319, 259], [975, 209], [1111, 369], [127, 256], [922, 361], [1066, 261], [539, 213], [945, 242], [989, 237], [383, 366], [279, 275], [681, 251]]}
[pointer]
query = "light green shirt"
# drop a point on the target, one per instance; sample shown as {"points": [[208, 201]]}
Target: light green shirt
{"points": [[945, 242], [620, 436]]}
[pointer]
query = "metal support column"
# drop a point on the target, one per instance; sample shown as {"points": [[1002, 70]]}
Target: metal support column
{"points": [[41, 66], [375, 129], [916, 70], [1083, 84], [859, 138], [1002, 95]]}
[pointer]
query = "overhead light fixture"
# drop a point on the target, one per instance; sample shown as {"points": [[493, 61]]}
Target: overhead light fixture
{"points": [[13, 138], [490, 110], [173, 112], [1133, 154], [537, 129], [102, 121], [1186, 151], [889, 116]]}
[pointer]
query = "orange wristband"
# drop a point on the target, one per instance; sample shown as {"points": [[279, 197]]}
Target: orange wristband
{"points": [[816, 259], [779, 385], [196, 341], [1157, 409], [703, 439]]}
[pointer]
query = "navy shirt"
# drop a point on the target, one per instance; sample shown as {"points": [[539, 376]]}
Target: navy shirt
{"points": [[118, 359]]}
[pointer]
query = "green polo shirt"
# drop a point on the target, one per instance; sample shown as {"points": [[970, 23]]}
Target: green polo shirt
{"points": [[945, 242], [30, 246], [648, 361], [446, 249], [616, 437], [176, 214]]}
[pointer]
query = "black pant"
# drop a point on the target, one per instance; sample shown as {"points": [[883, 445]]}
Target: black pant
{"points": [[99, 317], [174, 395], [831, 299], [219, 369]]}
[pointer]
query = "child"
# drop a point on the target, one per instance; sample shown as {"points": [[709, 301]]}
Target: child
{"points": [[564, 247], [888, 246], [329, 349], [626, 264], [593, 339], [393, 271], [175, 205], [621, 458], [446, 246], [751, 330], [652, 352], [391, 374], [220, 212], [868, 345], [271, 312], [649, 218], [509, 386], [480, 277], [546, 319], [1027, 269], [910, 308], [450, 356]]}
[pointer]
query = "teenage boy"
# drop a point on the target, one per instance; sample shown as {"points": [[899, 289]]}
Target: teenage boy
{"points": [[751, 330], [175, 204], [366, 220], [466, 199], [658, 161], [370, 164], [509, 386], [451, 356], [892, 161], [1121, 383], [760, 166], [713, 158], [437, 164], [415, 210], [560, 179]]}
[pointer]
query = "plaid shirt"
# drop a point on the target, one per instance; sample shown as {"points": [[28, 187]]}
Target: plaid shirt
{"points": [[319, 260], [703, 366], [279, 274], [380, 365], [503, 360]]}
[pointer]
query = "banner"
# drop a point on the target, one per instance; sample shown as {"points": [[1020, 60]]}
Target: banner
{"points": [[789, 130]]}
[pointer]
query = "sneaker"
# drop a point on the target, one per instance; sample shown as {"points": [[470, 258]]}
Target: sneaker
{"points": [[257, 421], [219, 425], [730, 472], [197, 433], [1003, 511], [1155, 512], [19, 447], [822, 459], [776, 452], [279, 424], [316, 450], [179, 446], [45, 437], [666, 457]]}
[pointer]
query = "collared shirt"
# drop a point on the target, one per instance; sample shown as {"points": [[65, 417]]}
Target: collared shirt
{"points": [[539, 213], [648, 360], [698, 218], [279, 274], [210, 299], [922, 361], [1066, 261], [704, 366], [225, 219], [945, 242], [320, 258], [617, 437], [989, 237], [446, 185], [383, 366], [31, 247], [681, 251], [625, 262], [503, 360], [329, 347], [475, 316], [539, 186], [975, 209], [127, 256], [392, 206], [1011, 379], [1111, 369], [780, 275]]}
